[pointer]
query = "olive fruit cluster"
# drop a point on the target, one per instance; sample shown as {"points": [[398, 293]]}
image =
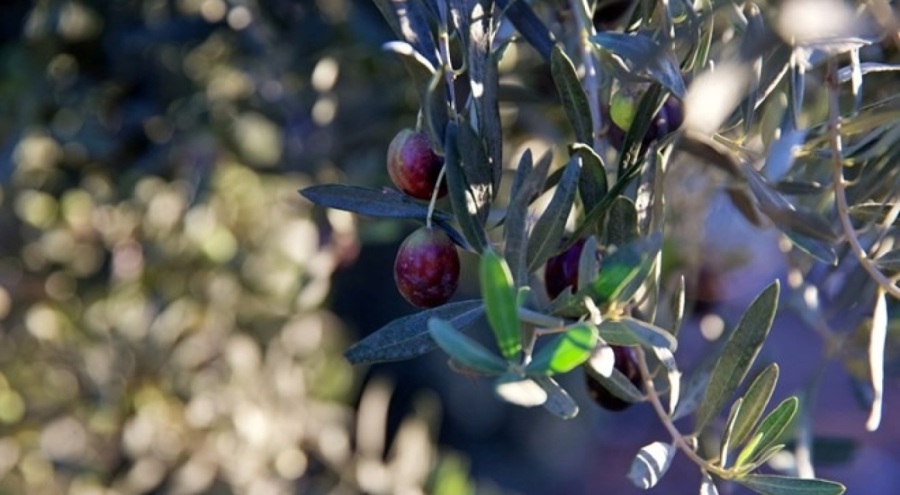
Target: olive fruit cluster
{"points": [[426, 269]]}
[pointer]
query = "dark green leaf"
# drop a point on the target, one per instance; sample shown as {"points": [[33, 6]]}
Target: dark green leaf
{"points": [[644, 57], [755, 401], [624, 270], [558, 402], [549, 228], [769, 430], [630, 331], [651, 464], [572, 95], [383, 203], [621, 224], [529, 25], [465, 204], [408, 337], [526, 184], [588, 263], [463, 349], [739, 353], [817, 249], [617, 383], [500, 303], [592, 182], [868, 212], [477, 170], [632, 143], [783, 485], [565, 351]]}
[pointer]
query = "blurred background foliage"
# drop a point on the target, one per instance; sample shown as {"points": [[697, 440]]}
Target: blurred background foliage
{"points": [[169, 304]]}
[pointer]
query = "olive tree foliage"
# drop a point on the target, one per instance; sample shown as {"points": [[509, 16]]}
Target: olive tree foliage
{"points": [[785, 110]]}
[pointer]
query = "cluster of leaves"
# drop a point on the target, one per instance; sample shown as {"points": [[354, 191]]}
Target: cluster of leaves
{"points": [[749, 122]]}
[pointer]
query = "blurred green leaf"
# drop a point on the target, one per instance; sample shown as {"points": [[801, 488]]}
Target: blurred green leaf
{"points": [[783, 485], [624, 270], [769, 431], [500, 303], [755, 401], [817, 249], [383, 203], [708, 486], [739, 353], [633, 142], [618, 332], [565, 351], [797, 188], [559, 402], [463, 349], [408, 337], [572, 95], [651, 464], [889, 261]]}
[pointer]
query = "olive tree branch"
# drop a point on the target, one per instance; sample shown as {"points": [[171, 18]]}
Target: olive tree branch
{"points": [[834, 130], [677, 437]]}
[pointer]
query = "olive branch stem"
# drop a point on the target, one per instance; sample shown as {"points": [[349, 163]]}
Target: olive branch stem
{"points": [[678, 438], [840, 195]]}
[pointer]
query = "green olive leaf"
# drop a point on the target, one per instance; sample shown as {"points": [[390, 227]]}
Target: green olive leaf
{"points": [[565, 351], [500, 303], [463, 349], [783, 485]]}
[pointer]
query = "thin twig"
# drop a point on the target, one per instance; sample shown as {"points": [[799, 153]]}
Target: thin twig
{"points": [[677, 437], [834, 128]]}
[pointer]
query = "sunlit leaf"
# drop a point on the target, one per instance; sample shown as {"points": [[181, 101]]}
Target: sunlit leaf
{"points": [[520, 391], [477, 170], [769, 431], [463, 349], [740, 351], [500, 303], [624, 270], [409, 23], [755, 401], [651, 464], [877, 337], [783, 485], [408, 337], [673, 375], [726, 442], [708, 486], [529, 25], [571, 93], [565, 351]]}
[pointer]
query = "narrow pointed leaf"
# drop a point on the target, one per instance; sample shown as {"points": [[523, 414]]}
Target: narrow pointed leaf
{"points": [[783, 485], [565, 351], [769, 430], [819, 250], [435, 108], [588, 263], [650, 334], [409, 23], [673, 375], [877, 337], [755, 401], [528, 24], [739, 353], [477, 170], [726, 443], [708, 486], [651, 464], [520, 391], [527, 184], [550, 226], [464, 203], [500, 303], [382, 203], [558, 402], [616, 382], [572, 95], [463, 349], [408, 337], [890, 261], [621, 225], [624, 270], [632, 143], [592, 182]]}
